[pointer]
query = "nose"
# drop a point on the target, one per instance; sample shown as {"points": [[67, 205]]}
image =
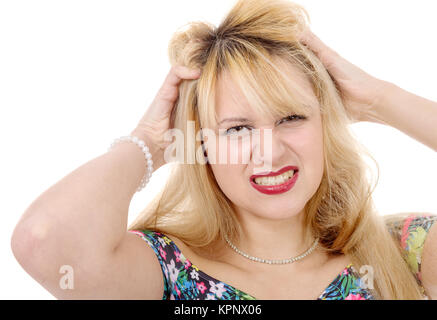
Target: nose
{"points": [[268, 150]]}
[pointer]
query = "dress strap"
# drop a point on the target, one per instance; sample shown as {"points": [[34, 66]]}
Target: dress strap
{"points": [[167, 252]]}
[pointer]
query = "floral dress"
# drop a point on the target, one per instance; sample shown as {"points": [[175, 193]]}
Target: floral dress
{"points": [[185, 281]]}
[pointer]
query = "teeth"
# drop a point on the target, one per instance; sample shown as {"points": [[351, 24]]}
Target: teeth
{"points": [[271, 181]]}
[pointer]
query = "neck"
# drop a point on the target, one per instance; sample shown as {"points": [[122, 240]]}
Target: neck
{"points": [[273, 239]]}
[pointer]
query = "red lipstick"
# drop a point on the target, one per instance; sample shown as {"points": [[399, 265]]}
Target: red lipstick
{"points": [[275, 189]]}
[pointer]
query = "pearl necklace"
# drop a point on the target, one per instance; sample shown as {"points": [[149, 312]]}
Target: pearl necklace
{"points": [[284, 261]]}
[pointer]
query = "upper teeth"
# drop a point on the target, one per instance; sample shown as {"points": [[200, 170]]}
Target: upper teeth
{"points": [[271, 181]]}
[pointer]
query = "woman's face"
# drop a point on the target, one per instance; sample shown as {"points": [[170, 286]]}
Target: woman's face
{"points": [[294, 142]]}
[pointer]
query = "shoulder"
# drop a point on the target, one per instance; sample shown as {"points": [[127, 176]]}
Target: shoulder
{"points": [[417, 239], [411, 230], [168, 248], [164, 246], [155, 237], [168, 255]]}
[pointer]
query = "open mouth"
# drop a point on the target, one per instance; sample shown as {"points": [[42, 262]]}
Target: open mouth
{"points": [[275, 180], [274, 183]]}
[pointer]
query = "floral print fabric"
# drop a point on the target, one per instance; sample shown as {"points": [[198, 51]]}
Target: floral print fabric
{"points": [[411, 234], [348, 285], [184, 281]]}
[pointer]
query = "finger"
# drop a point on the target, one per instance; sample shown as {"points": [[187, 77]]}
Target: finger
{"points": [[169, 90], [313, 42], [178, 73], [308, 38]]}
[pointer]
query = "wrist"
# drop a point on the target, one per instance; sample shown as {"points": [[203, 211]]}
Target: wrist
{"points": [[387, 91], [155, 151]]}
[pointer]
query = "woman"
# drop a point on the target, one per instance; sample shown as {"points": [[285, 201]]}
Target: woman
{"points": [[223, 230]]}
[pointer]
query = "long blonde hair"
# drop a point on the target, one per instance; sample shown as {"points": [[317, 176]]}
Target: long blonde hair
{"points": [[192, 207]]}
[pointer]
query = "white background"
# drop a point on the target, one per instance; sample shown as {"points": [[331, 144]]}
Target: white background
{"points": [[74, 75]]}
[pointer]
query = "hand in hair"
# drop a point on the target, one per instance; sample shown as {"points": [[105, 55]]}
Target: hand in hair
{"points": [[156, 121], [360, 91]]}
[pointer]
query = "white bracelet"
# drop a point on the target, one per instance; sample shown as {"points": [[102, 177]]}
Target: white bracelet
{"points": [[147, 154]]}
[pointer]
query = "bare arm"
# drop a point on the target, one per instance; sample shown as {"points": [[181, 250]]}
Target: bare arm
{"points": [[407, 112], [81, 221], [367, 98], [96, 195]]}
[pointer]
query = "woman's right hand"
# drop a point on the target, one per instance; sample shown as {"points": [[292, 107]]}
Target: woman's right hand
{"points": [[156, 121]]}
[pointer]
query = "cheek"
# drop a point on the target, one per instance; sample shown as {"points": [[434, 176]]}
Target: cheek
{"points": [[307, 144], [228, 169], [313, 155], [228, 179]]}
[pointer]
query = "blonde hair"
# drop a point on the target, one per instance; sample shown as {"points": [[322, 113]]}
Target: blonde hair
{"points": [[193, 208]]}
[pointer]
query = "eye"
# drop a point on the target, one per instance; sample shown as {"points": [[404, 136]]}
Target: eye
{"points": [[237, 129], [293, 117]]}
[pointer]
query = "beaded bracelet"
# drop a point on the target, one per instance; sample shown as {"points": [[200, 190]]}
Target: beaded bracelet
{"points": [[147, 154]]}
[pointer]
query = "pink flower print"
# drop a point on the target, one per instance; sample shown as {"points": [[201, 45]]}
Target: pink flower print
{"points": [[201, 286], [162, 253], [137, 232], [187, 264], [352, 296], [405, 232], [177, 290], [177, 254], [345, 272]]}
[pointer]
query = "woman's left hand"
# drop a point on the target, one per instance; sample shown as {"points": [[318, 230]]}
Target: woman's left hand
{"points": [[360, 91]]}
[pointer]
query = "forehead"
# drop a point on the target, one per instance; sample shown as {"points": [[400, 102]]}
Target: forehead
{"points": [[230, 100]]}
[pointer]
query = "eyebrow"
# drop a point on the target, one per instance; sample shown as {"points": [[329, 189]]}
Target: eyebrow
{"points": [[244, 120], [234, 120]]}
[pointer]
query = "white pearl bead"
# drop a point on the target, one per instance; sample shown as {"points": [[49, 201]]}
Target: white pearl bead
{"points": [[272, 261], [147, 155]]}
